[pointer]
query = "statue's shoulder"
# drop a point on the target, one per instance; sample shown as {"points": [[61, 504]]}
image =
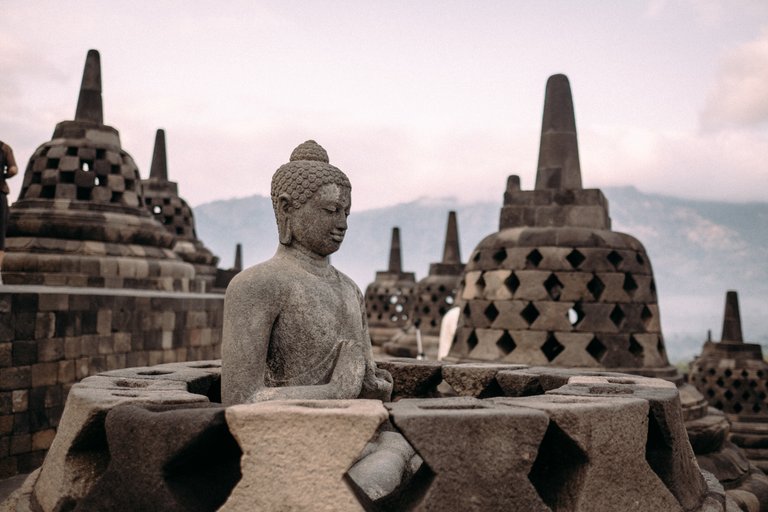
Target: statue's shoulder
{"points": [[348, 282], [265, 275]]}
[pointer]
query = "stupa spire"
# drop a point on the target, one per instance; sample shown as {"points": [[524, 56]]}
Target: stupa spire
{"points": [[395, 261], [559, 166], [238, 257], [89, 106], [732, 319], [451, 251], [159, 168]]}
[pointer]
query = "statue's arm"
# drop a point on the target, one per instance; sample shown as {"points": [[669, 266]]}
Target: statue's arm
{"points": [[250, 313], [377, 383]]}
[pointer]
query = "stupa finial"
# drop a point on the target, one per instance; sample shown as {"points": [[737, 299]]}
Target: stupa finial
{"points": [[159, 168], [395, 261], [559, 166], [451, 251], [732, 319], [238, 257], [89, 106]]}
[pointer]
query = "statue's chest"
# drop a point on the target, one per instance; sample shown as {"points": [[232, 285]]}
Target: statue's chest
{"points": [[327, 310]]}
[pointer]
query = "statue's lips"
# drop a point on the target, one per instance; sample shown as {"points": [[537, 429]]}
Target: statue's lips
{"points": [[337, 237]]}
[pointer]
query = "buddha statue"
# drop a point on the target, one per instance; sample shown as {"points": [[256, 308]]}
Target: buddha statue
{"points": [[294, 326]]}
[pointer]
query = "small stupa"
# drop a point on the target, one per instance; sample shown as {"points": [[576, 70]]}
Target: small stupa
{"points": [[389, 298], [434, 296], [161, 198], [555, 285], [732, 375], [80, 219]]}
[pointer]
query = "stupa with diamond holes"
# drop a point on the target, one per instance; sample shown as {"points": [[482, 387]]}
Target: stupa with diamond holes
{"points": [[732, 375], [161, 198], [434, 296], [389, 298], [555, 285], [80, 219]]}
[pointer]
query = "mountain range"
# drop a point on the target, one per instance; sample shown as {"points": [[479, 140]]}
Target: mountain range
{"points": [[698, 249]]}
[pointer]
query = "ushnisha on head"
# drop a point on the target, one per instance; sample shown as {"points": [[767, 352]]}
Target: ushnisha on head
{"points": [[311, 199]]}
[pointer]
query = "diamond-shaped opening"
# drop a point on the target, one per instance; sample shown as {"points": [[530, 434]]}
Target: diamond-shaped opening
{"points": [[575, 258], [753, 383], [617, 315], [737, 408], [640, 259], [375, 489], [615, 259], [635, 348], [480, 285], [553, 286], [646, 315], [506, 344], [659, 453], [756, 408], [491, 312], [534, 258], [500, 256], [530, 313], [557, 473], [736, 383], [629, 284], [467, 311], [729, 394], [596, 349], [720, 382], [744, 396], [653, 287], [476, 257], [727, 372], [660, 347], [552, 348], [596, 287], [512, 283], [471, 341]]}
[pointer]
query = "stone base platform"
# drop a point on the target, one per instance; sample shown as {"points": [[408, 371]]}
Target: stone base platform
{"points": [[531, 439]]}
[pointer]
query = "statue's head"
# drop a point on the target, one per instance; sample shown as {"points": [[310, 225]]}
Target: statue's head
{"points": [[311, 199]]}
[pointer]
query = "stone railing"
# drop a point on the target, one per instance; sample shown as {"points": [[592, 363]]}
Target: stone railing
{"points": [[510, 438]]}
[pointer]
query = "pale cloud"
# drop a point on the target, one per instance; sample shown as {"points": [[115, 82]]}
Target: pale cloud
{"points": [[740, 94]]}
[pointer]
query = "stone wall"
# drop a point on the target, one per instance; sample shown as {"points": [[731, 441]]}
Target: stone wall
{"points": [[52, 337]]}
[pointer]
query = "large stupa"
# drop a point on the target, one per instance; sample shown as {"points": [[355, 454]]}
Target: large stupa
{"points": [[80, 219]]}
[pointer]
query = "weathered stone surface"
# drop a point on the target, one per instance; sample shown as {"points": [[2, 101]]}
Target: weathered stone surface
{"points": [[667, 451], [593, 456], [412, 378], [294, 326], [79, 453], [186, 456], [489, 466], [296, 453], [475, 379]]}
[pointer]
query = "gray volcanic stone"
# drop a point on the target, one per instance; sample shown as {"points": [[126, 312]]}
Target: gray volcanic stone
{"points": [[412, 378], [294, 326], [79, 453], [186, 456], [475, 379], [296, 452], [593, 454], [480, 453], [668, 451]]}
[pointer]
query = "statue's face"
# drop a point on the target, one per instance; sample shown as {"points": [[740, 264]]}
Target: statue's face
{"points": [[319, 225]]}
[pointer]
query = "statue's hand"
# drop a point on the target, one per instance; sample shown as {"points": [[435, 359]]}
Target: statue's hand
{"points": [[347, 377], [377, 385]]}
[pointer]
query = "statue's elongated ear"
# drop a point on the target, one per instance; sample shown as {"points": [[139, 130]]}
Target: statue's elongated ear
{"points": [[284, 210]]}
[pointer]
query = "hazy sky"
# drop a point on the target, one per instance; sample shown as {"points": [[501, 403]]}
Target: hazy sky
{"points": [[410, 98]]}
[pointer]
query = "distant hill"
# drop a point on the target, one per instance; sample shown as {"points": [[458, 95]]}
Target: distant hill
{"points": [[699, 249]]}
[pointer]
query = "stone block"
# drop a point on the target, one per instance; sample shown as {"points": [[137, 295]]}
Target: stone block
{"points": [[24, 352], [667, 449], [497, 449], [20, 444], [79, 454], [531, 285], [509, 315], [53, 302], [20, 398], [17, 377], [66, 373], [284, 465], [592, 456], [42, 440], [44, 374], [413, 378], [6, 355], [50, 349], [475, 379]]}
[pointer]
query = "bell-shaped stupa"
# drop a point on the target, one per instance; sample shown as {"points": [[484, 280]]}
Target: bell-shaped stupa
{"points": [[555, 286], [80, 219], [389, 298], [161, 198], [732, 375]]}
